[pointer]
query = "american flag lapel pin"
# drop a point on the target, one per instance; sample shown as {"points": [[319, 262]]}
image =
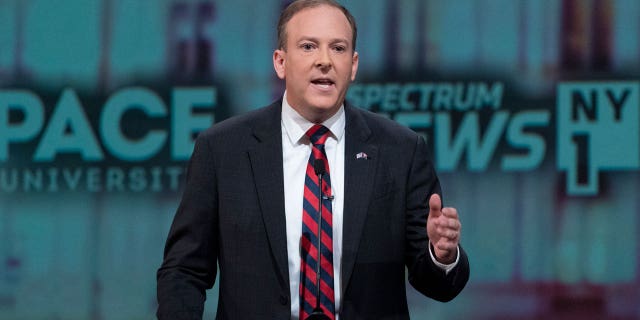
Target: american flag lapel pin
{"points": [[362, 155]]}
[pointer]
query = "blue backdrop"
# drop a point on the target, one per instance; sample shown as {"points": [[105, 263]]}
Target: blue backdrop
{"points": [[531, 109]]}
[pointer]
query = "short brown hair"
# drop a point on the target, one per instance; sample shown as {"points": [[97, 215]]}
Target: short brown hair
{"points": [[299, 5]]}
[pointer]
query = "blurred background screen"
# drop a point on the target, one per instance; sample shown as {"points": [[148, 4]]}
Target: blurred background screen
{"points": [[530, 108]]}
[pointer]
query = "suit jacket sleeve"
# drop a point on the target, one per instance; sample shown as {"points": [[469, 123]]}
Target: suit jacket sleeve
{"points": [[191, 251], [424, 275]]}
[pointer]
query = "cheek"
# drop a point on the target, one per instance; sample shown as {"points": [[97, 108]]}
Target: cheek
{"points": [[293, 70]]}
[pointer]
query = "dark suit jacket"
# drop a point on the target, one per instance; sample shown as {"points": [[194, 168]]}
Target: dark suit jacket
{"points": [[232, 213]]}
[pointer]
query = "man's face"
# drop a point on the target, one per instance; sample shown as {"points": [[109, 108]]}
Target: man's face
{"points": [[318, 63]]}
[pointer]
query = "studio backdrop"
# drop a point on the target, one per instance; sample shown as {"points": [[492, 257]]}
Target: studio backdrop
{"points": [[530, 109]]}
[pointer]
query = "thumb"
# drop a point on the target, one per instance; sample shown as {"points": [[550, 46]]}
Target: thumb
{"points": [[435, 205]]}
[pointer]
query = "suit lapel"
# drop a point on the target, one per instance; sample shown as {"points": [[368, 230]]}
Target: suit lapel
{"points": [[266, 163], [358, 186]]}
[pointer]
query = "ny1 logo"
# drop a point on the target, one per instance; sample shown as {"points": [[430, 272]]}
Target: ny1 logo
{"points": [[597, 131]]}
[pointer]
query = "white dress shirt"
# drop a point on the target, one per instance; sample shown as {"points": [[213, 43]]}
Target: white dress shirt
{"points": [[296, 149]]}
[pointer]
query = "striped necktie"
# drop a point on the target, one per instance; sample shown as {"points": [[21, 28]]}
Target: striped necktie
{"points": [[309, 241]]}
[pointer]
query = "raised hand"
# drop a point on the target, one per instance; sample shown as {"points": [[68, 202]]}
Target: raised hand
{"points": [[443, 229]]}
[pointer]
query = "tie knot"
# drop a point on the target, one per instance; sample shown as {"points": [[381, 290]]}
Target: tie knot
{"points": [[318, 134]]}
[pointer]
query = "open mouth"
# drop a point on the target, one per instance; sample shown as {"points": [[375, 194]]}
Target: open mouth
{"points": [[323, 83]]}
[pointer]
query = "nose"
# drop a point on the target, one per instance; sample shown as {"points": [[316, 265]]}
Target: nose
{"points": [[324, 59]]}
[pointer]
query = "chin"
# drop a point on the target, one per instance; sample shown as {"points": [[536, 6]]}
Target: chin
{"points": [[324, 103]]}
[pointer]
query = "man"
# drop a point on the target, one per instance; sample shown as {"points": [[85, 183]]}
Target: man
{"points": [[253, 199]]}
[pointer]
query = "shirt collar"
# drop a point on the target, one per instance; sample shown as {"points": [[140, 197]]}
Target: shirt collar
{"points": [[296, 126]]}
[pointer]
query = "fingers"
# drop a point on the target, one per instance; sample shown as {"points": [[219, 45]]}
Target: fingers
{"points": [[448, 225], [446, 246], [448, 238], [435, 205], [450, 213], [443, 229], [448, 221], [449, 233], [445, 251]]}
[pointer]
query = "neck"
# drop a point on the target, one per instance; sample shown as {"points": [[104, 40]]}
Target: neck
{"points": [[317, 117], [313, 114]]}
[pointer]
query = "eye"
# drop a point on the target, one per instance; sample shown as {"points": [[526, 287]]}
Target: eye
{"points": [[340, 48], [307, 46]]}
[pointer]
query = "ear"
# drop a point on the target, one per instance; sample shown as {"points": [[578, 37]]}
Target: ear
{"points": [[279, 58], [354, 66]]}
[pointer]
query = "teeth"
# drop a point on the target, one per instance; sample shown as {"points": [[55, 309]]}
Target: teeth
{"points": [[323, 86]]}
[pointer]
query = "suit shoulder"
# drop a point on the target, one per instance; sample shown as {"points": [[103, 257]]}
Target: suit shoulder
{"points": [[240, 125]]}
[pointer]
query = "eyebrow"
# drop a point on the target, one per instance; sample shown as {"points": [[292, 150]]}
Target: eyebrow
{"points": [[316, 40]]}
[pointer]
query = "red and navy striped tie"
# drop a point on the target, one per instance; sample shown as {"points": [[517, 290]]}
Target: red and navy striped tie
{"points": [[308, 242]]}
